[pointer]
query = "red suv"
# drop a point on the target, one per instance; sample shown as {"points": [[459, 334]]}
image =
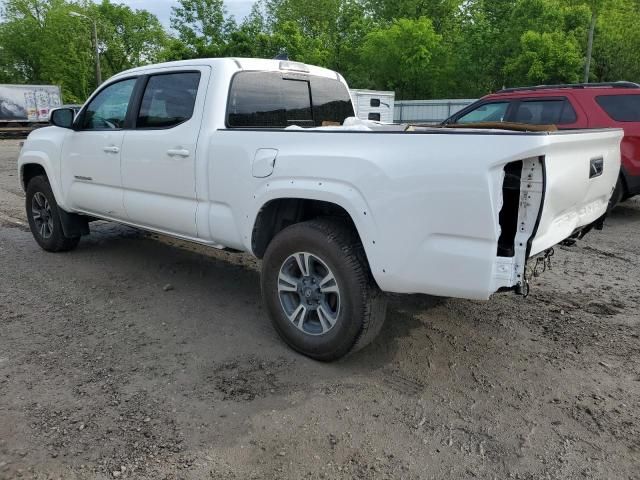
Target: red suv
{"points": [[592, 105]]}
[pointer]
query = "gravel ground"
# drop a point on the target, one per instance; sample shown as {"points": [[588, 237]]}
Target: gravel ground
{"points": [[137, 356]]}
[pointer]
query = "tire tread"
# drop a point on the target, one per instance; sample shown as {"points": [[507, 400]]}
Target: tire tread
{"points": [[61, 243], [373, 300]]}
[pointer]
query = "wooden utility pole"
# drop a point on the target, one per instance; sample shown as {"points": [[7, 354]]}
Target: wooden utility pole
{"points": [[592, 28]]}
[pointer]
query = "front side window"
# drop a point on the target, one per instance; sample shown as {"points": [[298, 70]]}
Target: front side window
{"points": [[545, 112], [168, 100], [488, 112], [621, 108], [108, 110]]}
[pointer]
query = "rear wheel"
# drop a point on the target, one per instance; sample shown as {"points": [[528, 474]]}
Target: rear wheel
{"points": [[618, 194], [44, 217], [318, 290]]}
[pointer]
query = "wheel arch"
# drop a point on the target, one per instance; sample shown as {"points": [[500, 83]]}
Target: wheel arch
{"points": [[277, 214], [29, 171], [33, 164], [278, 209], [72, 224]]}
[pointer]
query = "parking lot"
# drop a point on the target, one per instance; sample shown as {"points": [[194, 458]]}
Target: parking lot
{"points": [[138, 356]]}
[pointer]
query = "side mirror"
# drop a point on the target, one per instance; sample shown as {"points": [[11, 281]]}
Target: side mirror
{"points": [[375, 102], [62, 117]]}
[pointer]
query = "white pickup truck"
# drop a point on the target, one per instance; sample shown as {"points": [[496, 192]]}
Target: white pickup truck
{"points": [[262, 156]]}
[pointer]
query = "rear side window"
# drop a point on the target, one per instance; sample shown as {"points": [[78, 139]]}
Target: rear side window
{"points": [[488, 112], [621, 108], [168, 100], [274, 100], [545, 112]]}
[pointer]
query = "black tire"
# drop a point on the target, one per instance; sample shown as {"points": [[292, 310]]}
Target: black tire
{"points": [[54, 239], [362, 306], [617, 196]]}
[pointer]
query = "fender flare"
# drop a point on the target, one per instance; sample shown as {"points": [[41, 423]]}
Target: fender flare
{"points": [[344, 195], [41, 159]]}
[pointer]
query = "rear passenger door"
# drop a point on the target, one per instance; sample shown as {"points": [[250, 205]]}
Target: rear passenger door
{"points": [[159, 154]]}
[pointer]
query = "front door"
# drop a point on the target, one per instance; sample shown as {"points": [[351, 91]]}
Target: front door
{"points": [[159, 153], [90, 174]]}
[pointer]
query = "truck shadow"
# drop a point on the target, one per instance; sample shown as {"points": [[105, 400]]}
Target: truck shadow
{"points": [[625, 212], [225, 287]]}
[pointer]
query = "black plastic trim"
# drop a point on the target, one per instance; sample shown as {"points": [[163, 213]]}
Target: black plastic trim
{"points": [[434, 131], [73, 225], [621, 84]]}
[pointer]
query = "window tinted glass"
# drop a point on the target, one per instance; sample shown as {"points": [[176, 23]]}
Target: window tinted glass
{"points": [[621, 108], [489, 112], [545, 112], [168, 100], [265, 99], [331, 101], [269, 99], [108, 109]]}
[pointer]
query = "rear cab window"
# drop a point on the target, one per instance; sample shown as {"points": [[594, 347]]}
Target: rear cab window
{"points": [[280, 100], [621, 108]]}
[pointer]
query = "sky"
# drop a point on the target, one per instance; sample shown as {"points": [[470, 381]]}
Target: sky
{"points": [[162, 8]]}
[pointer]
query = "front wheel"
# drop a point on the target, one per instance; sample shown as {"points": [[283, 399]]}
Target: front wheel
{"points": [[318, 290], [44, 217]]}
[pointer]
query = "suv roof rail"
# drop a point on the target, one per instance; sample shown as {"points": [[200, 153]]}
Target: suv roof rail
{"points": [[621, 84]]}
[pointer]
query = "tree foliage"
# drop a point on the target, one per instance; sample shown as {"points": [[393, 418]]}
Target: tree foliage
{"points": [[419, 48], [42, 43]]}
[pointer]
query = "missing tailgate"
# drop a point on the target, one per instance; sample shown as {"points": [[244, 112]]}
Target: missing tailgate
{"points": [[509, 212]]}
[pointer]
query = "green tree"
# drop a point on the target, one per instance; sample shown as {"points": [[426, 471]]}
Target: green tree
{"points": [[130, 38], [42, 43], [327, 32], [441, 12], [545, 58], [38, 48], [616, 46], [202, 26], [399, 57]]}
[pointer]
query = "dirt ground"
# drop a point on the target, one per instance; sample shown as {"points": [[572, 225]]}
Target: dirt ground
{"points": [[136, 356]]}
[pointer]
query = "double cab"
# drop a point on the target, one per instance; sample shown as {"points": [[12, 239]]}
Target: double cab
{"points": [[265, 157]]}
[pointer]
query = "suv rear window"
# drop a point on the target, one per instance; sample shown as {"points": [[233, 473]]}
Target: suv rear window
{"points": [[274, 100], [621, 108], [545, 112]]}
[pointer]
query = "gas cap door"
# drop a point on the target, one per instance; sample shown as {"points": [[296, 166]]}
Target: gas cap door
{"points": [[263, 162]]}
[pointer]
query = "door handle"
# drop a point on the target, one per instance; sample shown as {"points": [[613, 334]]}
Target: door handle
{"points": [[112, 149], [178, 152]]}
